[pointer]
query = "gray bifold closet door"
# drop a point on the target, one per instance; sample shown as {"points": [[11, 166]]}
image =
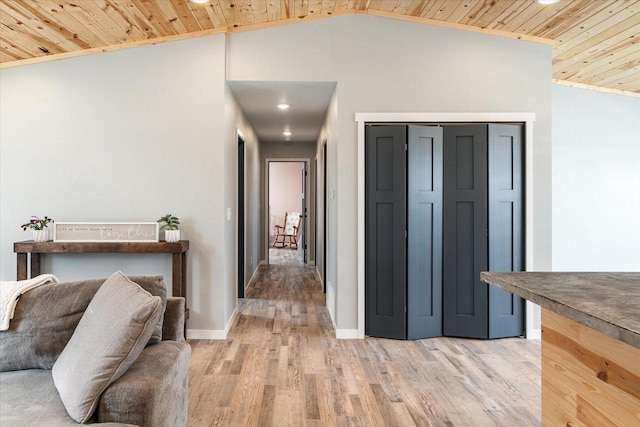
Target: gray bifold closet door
{"points": [[385, 231], [424, 256], [483, 229]]}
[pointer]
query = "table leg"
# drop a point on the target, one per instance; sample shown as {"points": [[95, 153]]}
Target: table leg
{"points": [[35, 265], [22, 267]]}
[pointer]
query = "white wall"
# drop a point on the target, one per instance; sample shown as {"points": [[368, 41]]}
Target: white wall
{"points": [[596, 181], [383, 65], [121, 136]]}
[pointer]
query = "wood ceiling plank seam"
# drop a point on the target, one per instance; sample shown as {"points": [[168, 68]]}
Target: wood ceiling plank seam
{"points": [[134, 14], [217, 15], [602, 74], [343, 5], [462, 10], [231, 15], [67, 25], [478, 10], [120, 16], [601, 68], [613, 81], [273, 10], [31, 20], [91, 24], [579, 28], [433, 9], [69, 21], [562, 12], [169, 15], [185, 15], [572, 15], [328, 7], [544, 15], [259, 10], [315, 7], [507, 15], [20, 41], [289, 9], [600, 53], [154, 17], [14, 48], [245, 12], [416, 7], [492, 13], [363, 5], [30, 27], [7, 56], [526, 13], [401, 7], [597, 36], [448, 7], [201, 15], [101, 14]]}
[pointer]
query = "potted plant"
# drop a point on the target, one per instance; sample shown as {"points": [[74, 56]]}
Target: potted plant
{"points": [[39, 227], [170, 225]]}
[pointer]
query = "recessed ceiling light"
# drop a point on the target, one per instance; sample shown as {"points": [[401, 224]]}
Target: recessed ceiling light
{"points": [[199, 1], [287, 133], [545, 2], [283, 106]]}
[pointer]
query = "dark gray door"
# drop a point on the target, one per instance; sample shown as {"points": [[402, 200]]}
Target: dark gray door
{"points": [[303, 211], [506, 229], [465, 299], [424, 267], [385, 231]]}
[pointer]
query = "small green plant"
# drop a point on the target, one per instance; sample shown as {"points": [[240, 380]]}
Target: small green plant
{"points": [[170, 222], [36, 223]]}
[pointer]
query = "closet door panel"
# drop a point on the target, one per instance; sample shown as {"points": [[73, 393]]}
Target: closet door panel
{"points": [[385, 229], [424, 268], [506, 225], [465, 297]]}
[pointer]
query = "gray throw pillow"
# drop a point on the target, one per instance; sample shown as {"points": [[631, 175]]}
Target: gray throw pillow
{"points": [[111, 334], [46, 317]]}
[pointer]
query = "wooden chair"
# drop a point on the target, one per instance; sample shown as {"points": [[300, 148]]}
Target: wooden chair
{"points": [[288, 233]]}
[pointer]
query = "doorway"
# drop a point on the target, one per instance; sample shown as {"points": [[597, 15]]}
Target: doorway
{"points": [[287, 212], [241, 218]]}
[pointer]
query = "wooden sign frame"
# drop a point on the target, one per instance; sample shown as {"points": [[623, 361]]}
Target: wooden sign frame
{"points": [[106, 232]]}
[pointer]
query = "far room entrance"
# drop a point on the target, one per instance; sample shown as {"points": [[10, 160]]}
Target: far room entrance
{"points": [[287, 212]]}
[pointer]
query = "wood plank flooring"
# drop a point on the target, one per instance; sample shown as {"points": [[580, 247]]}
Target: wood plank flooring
{"points": [[285, 256], [282, 366]]}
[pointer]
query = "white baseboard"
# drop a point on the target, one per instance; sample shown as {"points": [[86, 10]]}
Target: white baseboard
{"points": [[263, 262], [252, 276], [318, 274], [212, 334], [347, 334], [312, 262]]}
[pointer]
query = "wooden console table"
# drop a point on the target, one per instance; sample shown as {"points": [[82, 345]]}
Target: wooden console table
{"points": [[33, 250]]}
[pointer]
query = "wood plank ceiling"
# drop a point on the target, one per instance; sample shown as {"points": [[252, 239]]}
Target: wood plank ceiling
{"points": [[595, 43]]}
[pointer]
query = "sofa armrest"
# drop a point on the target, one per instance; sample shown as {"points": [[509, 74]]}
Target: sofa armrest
{"points": [[153, 392], [173, 326]]}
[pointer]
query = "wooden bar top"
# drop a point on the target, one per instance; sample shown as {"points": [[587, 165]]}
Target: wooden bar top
{"points": [[29, 246], [606, 302]]}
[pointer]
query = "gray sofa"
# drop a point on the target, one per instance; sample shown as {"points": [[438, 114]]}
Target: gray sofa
{"points": [[152, 392]]}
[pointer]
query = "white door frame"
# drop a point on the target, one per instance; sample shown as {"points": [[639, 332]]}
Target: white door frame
{"points": [[532, 317], [266, 198]]}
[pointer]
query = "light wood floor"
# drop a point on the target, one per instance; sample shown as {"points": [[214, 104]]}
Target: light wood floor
{"points": [[285, 256], [282, 366]]}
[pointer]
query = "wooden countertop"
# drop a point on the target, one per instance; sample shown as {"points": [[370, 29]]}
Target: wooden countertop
{"points": [[606, 302]]}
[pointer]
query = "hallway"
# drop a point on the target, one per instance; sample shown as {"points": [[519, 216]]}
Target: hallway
{"points": [[282, 366]]}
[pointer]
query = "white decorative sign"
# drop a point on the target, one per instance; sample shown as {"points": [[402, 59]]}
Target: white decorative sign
{"points": [[106, 232]]}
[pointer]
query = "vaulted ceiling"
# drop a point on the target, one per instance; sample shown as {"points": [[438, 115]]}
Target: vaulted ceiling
{"points": [[595, 43]]}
